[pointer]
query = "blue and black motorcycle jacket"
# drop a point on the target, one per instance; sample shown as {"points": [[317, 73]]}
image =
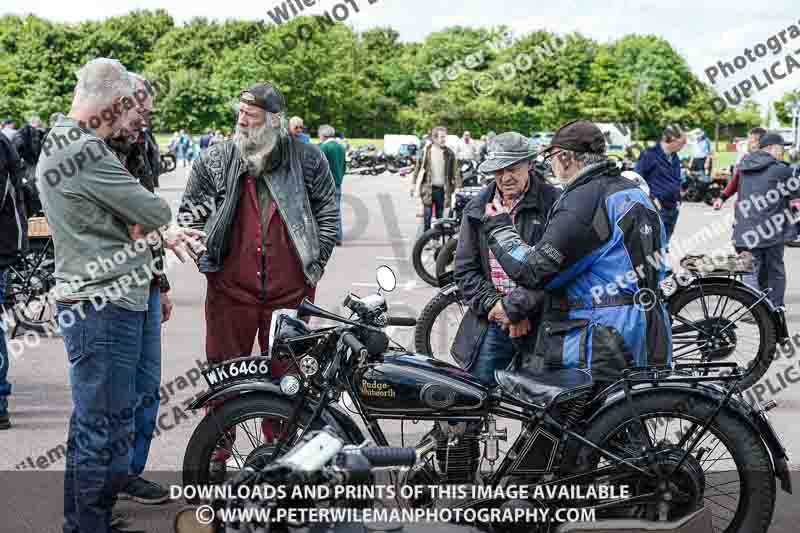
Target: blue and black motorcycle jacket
{"points": [[598, 267]]}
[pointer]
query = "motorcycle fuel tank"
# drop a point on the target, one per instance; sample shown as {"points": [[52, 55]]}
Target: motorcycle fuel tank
{"points": [[417, 385]]}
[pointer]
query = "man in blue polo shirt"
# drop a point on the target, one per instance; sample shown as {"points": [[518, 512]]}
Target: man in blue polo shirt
{"points": [[660, 166]]}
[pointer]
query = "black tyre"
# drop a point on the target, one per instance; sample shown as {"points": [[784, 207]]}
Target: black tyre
{"points": [[438, 323], [723, 322], [729, 471], [28, 290], [447, 258], [168, 163], [692, 194], [712, 195], [426, 251], [243, 414]]}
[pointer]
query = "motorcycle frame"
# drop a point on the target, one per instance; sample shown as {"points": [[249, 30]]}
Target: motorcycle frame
{"points": [[535, 418]]}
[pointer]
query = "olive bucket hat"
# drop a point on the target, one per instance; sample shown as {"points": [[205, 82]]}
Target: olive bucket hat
{"points": [[505, 150]]}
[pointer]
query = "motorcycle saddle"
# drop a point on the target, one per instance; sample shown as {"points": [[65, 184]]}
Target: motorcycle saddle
{"points": [[543, 387]]}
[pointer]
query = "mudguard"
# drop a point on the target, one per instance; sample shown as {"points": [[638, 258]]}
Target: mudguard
{"points": [[708, 391], [778, 316], [332, 414]]}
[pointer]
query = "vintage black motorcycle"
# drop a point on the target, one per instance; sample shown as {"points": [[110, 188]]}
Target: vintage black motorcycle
{"points": [[681, 441]]}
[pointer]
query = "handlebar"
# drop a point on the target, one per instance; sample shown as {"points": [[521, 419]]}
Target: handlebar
{"points": [[350, 340], [401, 321], [382, 457]]}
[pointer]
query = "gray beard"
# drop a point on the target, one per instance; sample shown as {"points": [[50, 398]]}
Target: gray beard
{"points": [[256, 144]]}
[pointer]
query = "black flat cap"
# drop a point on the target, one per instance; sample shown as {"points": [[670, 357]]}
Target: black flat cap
{"points": [[581, 136], [265, 96]]}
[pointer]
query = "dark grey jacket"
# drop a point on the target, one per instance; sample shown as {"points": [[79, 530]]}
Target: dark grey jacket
{"points": [[301, 186], [764, 192], [473, 274], [13, 224]]}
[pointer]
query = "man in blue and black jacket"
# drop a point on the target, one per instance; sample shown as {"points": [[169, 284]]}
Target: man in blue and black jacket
{"points": [[596, 261]]}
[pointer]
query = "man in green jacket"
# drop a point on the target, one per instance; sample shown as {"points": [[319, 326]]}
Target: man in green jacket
{"points": [[335, 154]]}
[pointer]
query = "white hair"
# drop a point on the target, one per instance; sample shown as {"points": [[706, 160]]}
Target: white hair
{"points": [[326, 131], [101, 80], [138, 79]]}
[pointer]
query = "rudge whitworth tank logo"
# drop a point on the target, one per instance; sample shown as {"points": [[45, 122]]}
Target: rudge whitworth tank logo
{"points": [[376, 389]]}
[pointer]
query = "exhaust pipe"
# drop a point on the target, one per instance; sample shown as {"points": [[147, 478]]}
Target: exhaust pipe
{"points": [[697, 522]]}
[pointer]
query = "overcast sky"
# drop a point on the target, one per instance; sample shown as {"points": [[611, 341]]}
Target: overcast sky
{"points": [[704, 32]]}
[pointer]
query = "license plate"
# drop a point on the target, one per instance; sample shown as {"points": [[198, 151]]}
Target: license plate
{"points": [[237, 369]]}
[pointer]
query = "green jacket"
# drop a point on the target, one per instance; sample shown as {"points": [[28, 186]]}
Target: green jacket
{"points": [[89, 200], [335, 154]]}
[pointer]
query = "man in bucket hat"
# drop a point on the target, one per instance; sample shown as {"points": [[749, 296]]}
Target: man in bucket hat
{"points": [[497, 309], [595, 260]]}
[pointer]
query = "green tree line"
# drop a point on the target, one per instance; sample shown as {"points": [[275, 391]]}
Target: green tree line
{"points": [[365, 84]]}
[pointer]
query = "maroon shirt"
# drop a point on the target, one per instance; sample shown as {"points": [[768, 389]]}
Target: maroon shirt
{"points": [[252, 275]]}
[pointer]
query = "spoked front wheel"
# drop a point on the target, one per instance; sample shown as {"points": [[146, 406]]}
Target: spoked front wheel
{"points": [[426, 251], [723, 323], [241, 431], [438, 324]]}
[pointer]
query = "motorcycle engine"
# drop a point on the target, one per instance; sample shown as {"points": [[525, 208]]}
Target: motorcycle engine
{"points": [[457, 452]]}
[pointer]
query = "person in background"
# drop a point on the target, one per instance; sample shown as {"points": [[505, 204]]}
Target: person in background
{"points": [[763, 231], [9, 128], [13, 236], [184, 147], [702, 158], [138, 152], [467, 149], [205, 140], [218, 138], [173, 143], [335, 154], [28, 143], [753, 141], [270, 236], [436, 176], [297, 129], [660, 167]]}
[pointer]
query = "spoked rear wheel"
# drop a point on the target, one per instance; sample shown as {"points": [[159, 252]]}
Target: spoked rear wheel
{"points": [[728, 471], [723, 323]]}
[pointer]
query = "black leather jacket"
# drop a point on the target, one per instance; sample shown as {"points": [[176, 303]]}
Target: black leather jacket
{"points": [[473, 274], [302, 187]]}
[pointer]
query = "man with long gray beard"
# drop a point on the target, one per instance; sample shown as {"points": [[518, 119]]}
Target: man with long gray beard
{"points": [[273, 230]]}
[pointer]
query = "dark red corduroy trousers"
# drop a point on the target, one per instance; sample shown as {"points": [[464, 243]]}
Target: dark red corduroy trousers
{"points": [[235, 314]]}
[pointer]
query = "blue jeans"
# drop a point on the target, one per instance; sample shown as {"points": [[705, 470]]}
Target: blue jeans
{"points": [[437, 202], [669, 217], [5, 360], [496, 353], [148, 381], [339, 235], [104, 348]]}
